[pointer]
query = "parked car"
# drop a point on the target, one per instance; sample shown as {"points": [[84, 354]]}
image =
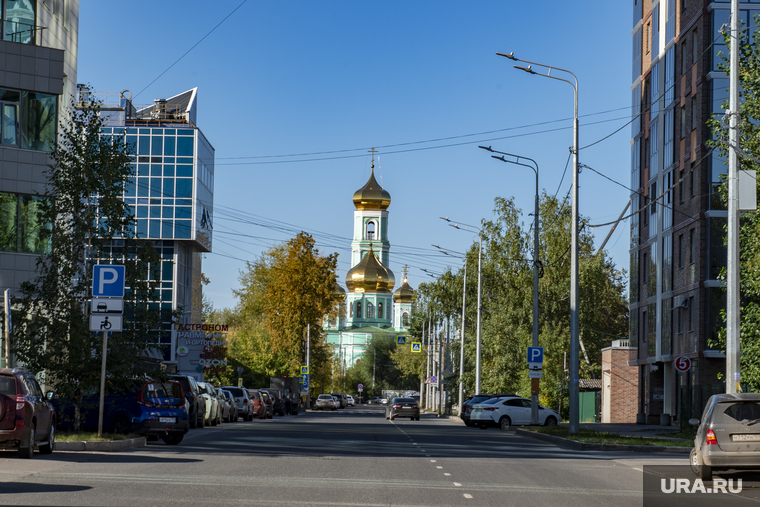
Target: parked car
{"points": [[375, 400], [403, 407], [351, 402], [727, 435], [225, 405], [325, 402], [196, 402], [244, 405], [208, 392], [259, 406], [506, 411], [474, 400], [27, 418], [151, 408], [268, 403], [234, 413], [342, 400], [277, 400]]}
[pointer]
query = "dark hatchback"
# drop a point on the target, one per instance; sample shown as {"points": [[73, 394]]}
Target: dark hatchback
{"points": [[403, 407], [151, 408], [27, 419]]}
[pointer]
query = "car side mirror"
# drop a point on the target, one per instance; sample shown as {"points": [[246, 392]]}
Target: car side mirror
{"points": [[50, 395], [694, 422]]}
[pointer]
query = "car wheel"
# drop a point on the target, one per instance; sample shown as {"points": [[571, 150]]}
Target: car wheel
{"points": [[705, 471], [505, 422], [202, 422], [26, 450], [172, 438], [393, 418], [213, 421], [550, 421], [694, 461], [269, 416], [48, 448], [121, 425]]}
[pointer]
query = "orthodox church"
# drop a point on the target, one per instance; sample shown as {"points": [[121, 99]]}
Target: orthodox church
{"points": [[369, 306]]}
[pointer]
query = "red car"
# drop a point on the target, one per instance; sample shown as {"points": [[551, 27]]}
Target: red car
{"points": [[27, 419], [258, 403]]}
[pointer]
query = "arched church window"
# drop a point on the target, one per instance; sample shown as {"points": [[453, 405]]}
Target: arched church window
{"points": [[405, 319], [380, 313], [370, 230], [370, 310], [359, 309]]}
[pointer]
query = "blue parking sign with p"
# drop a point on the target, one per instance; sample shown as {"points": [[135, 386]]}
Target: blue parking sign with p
{"points": [[108, 280], [535, 354]]}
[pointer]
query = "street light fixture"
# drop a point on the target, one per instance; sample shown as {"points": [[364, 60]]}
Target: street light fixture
{"points": [[472, 228], [534, 168], [574, 326], [461, 341]]}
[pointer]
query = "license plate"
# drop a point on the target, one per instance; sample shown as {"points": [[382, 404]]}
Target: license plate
{"points": [[745, 438], [168, 420]]}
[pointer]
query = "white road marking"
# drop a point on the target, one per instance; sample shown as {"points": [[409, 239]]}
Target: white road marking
{"points": [[458, 485], [467, 495], [439, 467], [432, 461], [447, 474]]}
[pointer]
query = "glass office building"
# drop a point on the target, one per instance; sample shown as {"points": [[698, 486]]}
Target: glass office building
{"points": [[171, 195]]}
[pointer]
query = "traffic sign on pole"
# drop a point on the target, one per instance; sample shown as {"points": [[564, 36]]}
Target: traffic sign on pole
{"points": [[535, 354], [304, 370], [401, 340], [416, 346], [108, 280], [105, 322]]}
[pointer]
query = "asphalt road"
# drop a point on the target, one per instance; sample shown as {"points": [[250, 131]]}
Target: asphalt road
{"points": [[349, 457]]}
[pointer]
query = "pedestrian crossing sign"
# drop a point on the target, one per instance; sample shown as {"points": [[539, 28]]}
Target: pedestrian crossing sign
{"points": [[416, 347], [401, 340], [304, 370]]}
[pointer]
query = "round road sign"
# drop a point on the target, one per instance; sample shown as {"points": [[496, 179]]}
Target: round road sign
{"points": [[682, 364], [361, 386]]}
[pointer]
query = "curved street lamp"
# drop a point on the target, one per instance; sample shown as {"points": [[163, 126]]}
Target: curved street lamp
{"points": [[574, 326]]}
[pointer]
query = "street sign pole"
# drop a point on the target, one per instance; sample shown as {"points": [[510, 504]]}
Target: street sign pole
{"points": [[102, 384], [308, 363]]}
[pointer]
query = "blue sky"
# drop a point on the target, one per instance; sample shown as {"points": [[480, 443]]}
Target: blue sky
{"points": [[286, 82]]}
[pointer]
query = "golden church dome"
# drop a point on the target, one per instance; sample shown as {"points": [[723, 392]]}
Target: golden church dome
{"points": [[403, 294], [370, 275], [338, 292], [372, 195]]}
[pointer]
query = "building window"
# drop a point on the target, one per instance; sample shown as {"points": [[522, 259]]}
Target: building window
{"points": [[680, 186], [693, 182], [358, 309], [21, 228], [370, 235], [648, 36], [691, 313], [18, 18], [28, 119], [645, 267], [380, 313], [683, 123], [645, 326], [693, 112], [680, 250], [694, 48], [405, 319], [370, 310], [692, 247]]}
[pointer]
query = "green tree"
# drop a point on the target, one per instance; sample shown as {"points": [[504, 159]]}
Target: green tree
{"points": [[749, 233], [286, 290], [85, 213]]}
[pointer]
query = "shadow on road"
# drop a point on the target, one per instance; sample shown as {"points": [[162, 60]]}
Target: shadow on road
{"points": [[14, 488]]}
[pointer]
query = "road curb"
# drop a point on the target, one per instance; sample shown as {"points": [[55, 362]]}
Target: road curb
{"points": [[109, 446], [587, 446]]}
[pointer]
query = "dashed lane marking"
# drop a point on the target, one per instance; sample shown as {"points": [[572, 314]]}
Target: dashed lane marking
{"points": [[458, 485], [447, 474], [467, 495]]}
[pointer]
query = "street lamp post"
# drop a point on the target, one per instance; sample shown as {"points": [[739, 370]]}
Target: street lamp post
{"points": [[574, 326], [472, 228], [461, 341], [534, 168]]}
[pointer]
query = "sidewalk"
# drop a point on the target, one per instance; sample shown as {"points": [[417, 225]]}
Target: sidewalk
{"points": [[633, 430]]}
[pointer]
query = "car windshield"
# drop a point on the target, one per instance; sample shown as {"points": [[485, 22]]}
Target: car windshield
{"points": [[478, 399], [8, 385], [325, 397], [160, 392], [404, 400]]}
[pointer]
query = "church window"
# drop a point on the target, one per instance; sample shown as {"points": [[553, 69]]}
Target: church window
{"points": [[370, 230], [359, 309], [380, 313], [370, 310], [405, 319]]}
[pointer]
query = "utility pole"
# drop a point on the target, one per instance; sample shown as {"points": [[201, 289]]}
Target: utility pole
{"points": [[422, 383], [461, 342], [7, 329], [308, 364], [427, 374], [733, 350]]}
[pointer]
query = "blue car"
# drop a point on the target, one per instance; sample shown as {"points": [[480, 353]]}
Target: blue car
{"points": [[152, 408]]}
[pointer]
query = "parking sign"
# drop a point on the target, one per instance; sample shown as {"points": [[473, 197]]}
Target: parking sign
{"points": [[535, 354], [108, 280]]}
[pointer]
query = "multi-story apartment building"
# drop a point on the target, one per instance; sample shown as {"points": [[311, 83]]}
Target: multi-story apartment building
{"points": [[677, 247], [38, 75]]}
